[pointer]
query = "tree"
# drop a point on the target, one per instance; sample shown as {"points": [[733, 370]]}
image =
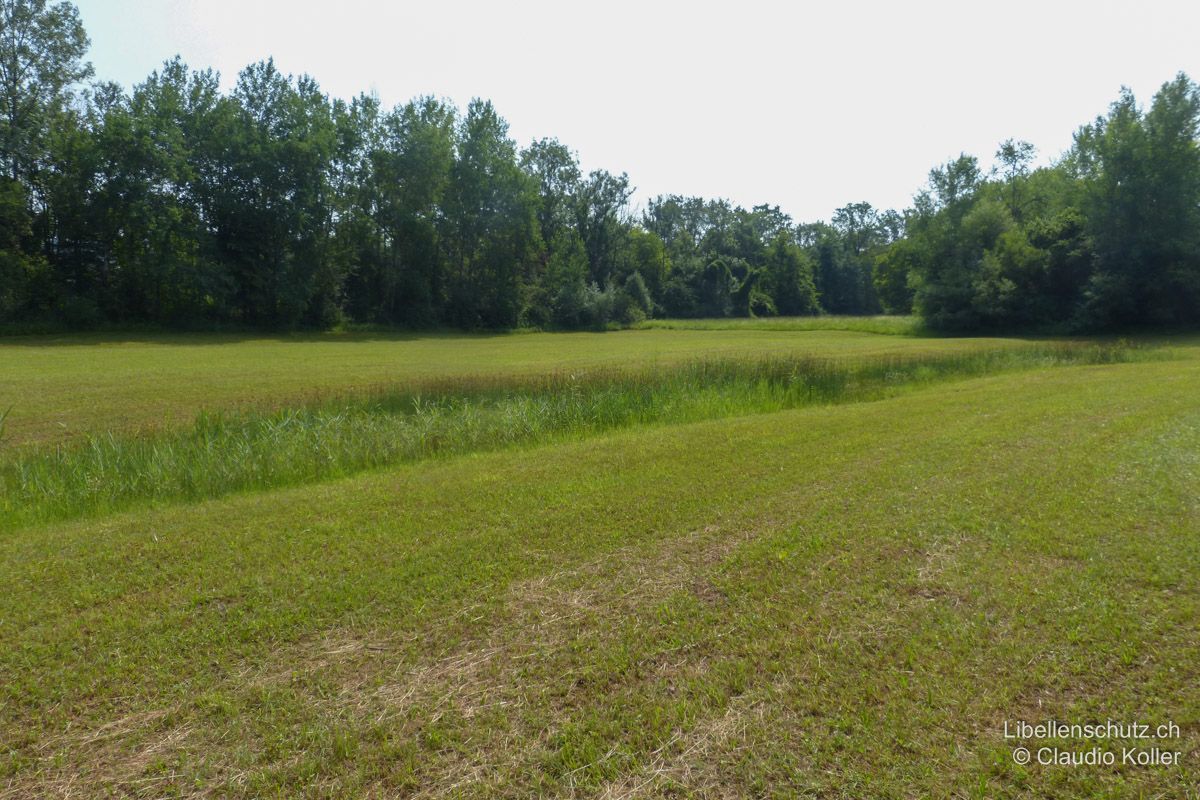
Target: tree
{"points": [[1172, 232], [556, 171], [890, 276], [600, 220], [678, 221], [153, 228], [789, 278], [272, 201], [17, 268], [949, 246], [273, 205], [41, 59], [1015, 157], [412, 164], [647, 256], [491, 208], [41, 56], [1142, 200], [767, 223], [955, 182], [861, 233], [633, 303], [716, 285]]}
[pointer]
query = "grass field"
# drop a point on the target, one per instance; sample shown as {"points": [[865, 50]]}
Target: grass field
{"points": [[61, 387], [762, 594]]}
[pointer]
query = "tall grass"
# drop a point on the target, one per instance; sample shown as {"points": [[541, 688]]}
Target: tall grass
{"points": [[223, 453], [882, 324]]}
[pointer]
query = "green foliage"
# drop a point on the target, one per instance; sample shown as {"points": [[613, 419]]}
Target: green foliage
{"points": [[18, 268], [275, 206], [715, 286], [555, 169], [789, 278], [649, 259], [492, 236], [600, 219], [634, 303], [397, 175], [1141, 176], [891, 274], [745, 294], [42, 46], [1015, 157], [1109, 237], [679, 295]]}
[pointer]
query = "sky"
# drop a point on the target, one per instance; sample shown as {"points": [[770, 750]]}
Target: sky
{"points": [[804, 105]]}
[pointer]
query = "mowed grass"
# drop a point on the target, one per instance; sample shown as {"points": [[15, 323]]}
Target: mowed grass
{"points": [[835, 601], [61, 388]]}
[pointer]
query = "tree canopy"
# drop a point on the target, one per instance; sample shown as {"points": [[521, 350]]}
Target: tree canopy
{"points": [[274, 205]]}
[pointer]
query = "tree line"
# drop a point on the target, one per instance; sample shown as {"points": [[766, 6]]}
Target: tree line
{"points": [[276, 206], [1107, 237]]}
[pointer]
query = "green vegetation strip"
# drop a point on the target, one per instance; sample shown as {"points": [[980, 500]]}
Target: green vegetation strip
{"points": [[62, 388], [838, 601], [881, 324], [230, 452]]}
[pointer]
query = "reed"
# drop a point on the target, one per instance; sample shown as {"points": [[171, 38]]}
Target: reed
{"points": [[227, 452], [881, 324]]}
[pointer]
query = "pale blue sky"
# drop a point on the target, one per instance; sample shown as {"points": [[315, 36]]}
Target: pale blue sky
{"points": [[805, 105]]}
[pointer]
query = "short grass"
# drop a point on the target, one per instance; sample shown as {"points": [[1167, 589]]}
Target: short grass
{"points": [[60, 388], [833, 601]]}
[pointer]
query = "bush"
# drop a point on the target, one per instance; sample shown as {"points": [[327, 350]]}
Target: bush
{"points": [[80, 312], [633, 303]]}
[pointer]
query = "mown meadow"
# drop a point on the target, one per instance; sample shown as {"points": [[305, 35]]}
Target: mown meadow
{"points": [[689, 561]]}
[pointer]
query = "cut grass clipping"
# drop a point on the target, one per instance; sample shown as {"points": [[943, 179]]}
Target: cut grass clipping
{"points": [[222, 453]]}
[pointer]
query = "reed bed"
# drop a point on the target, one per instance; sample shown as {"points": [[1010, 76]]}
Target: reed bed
{"points": [[235, 451], [881, 324]]}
